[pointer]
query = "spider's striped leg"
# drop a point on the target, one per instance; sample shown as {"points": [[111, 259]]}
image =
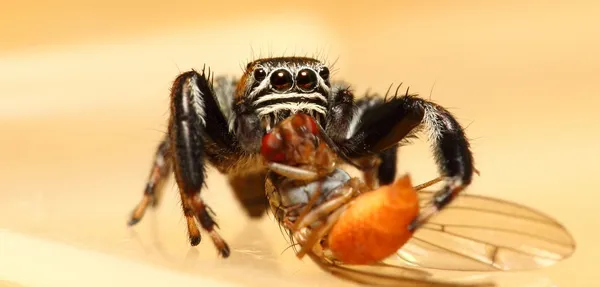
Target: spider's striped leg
{"points": [[198, 133], [385, 125], [345, 118], [161, 168]]}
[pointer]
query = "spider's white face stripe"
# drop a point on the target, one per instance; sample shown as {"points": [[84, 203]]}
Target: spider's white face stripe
{"points": [[275, 96], [291, 107], [196, 99], [272, 113]]}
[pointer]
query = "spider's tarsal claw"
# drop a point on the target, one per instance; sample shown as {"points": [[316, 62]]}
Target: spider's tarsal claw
{"points": [[140, 209], [225, 252], [195, 240], [133, 221], [193, 232], [220, 244]]}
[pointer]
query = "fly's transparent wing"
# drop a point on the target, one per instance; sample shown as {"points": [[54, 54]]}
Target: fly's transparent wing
{"points": [[388, 275], [478, 233]]}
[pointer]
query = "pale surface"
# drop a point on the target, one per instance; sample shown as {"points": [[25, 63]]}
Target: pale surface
{"points": [[84, 99]]}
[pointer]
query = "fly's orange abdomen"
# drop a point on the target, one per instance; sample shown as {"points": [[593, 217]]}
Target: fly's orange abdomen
{"points": [[376, 224]]}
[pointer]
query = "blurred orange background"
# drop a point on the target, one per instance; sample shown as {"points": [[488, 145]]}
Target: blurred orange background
{"points": [[84, 100]]}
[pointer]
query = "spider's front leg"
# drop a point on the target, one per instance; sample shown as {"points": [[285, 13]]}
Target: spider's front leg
{"points": [[197, 133], [385, 125], [344, 116]]}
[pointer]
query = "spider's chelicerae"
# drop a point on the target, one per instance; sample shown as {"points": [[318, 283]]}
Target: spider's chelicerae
{"points": [[221, 121]]}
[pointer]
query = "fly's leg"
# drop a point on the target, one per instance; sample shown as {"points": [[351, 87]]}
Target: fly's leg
{"points": [[161, 168], [434, 181], [327, 214], [428, 183], [315, 235], [440, 200], [292, 172], [344, 194]]}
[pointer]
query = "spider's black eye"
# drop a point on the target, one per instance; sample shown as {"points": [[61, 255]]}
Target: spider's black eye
{"points": [[307, 80], [259, 74], [281, 80], [324, 73]]}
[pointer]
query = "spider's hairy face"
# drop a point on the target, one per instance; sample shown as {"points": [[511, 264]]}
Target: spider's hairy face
{"points": [[275, 88], [272, 89]]}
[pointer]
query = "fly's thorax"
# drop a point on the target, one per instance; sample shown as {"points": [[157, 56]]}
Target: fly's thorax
{"points": [[311, 153], [287, 196], [297, 141], [325, 158]]}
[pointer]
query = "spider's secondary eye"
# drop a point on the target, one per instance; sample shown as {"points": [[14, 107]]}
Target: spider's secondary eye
{"points": [[259, 74], [324, 73], [281, 80], [307, 80]]}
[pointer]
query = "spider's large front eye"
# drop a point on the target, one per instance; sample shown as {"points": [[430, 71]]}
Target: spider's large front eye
{"points": [[307, 80], [324, 73], [259, 74], [281, 80]]}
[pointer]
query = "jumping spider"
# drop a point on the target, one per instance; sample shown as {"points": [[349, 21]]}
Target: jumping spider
{"points": [[222, 120]]}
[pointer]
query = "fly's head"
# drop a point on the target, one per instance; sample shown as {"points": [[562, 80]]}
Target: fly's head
{"points": [[296, 141], [272, 89]]}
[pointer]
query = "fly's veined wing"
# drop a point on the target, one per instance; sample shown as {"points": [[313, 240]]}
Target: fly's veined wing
{"points": [[477, 233], [388, 275]]}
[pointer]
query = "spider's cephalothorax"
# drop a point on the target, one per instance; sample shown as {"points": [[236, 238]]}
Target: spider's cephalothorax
{"points": [[271, 90], [221, 121]]}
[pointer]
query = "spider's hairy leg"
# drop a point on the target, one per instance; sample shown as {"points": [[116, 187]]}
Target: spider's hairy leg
{"points": [[197, 133], [161, 168], [386, 172], [398, 118], [385, 169], [342, 117], [388, 158], [341, 108]]}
